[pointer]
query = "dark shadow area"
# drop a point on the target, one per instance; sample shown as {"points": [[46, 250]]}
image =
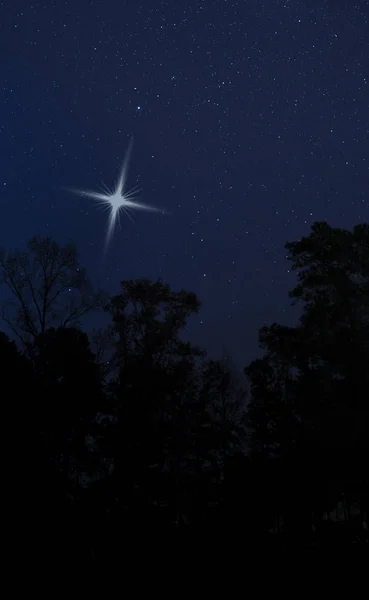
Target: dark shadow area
{"points": [[131, 438]]}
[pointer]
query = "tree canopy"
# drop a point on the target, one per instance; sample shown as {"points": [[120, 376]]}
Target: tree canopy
{"points": [[154, 438], [48, 287]]}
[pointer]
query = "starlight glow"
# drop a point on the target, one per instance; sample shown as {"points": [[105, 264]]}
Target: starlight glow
{"points": [[118, 200]]}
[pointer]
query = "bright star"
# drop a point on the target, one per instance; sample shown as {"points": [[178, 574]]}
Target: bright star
{"points": [[118, 200]]}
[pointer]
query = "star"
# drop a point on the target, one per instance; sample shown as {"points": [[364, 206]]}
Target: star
{"points": [[118, 200]]}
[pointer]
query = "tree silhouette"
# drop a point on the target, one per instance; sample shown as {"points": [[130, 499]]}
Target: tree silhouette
{"points": [[61, 431], [145, 436], [155, 379], [70, 395], [47, 287], [17, 382], [310, 390], [334, 285]]}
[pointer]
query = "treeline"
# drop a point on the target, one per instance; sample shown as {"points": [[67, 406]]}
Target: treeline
{"points": [[134, 434]]}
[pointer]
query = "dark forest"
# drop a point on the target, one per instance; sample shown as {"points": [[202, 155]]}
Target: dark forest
{"points": [[130, 433]]}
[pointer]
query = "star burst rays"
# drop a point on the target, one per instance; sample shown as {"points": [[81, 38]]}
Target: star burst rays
{"points": [[118, 200]]}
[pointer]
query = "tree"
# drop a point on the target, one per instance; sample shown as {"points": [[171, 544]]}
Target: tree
{"points": [[16, 384], [225, 396], [63, 431], [48, 287], [310, 391], [16, 389], [68, 380], [333, 283], [154, 390], [333, 276]]}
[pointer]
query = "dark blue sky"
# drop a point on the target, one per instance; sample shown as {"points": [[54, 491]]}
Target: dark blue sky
{"points": [[250, 121]]}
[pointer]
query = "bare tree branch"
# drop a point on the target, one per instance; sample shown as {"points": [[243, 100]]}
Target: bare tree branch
{"points": [[48, 286]]}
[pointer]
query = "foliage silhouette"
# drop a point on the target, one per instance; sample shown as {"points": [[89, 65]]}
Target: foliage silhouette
{"points": [[48, 287], [310, 391], [146, 436]]}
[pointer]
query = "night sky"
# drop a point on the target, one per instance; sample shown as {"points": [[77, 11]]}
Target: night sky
{"points": [[250, 121]]}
